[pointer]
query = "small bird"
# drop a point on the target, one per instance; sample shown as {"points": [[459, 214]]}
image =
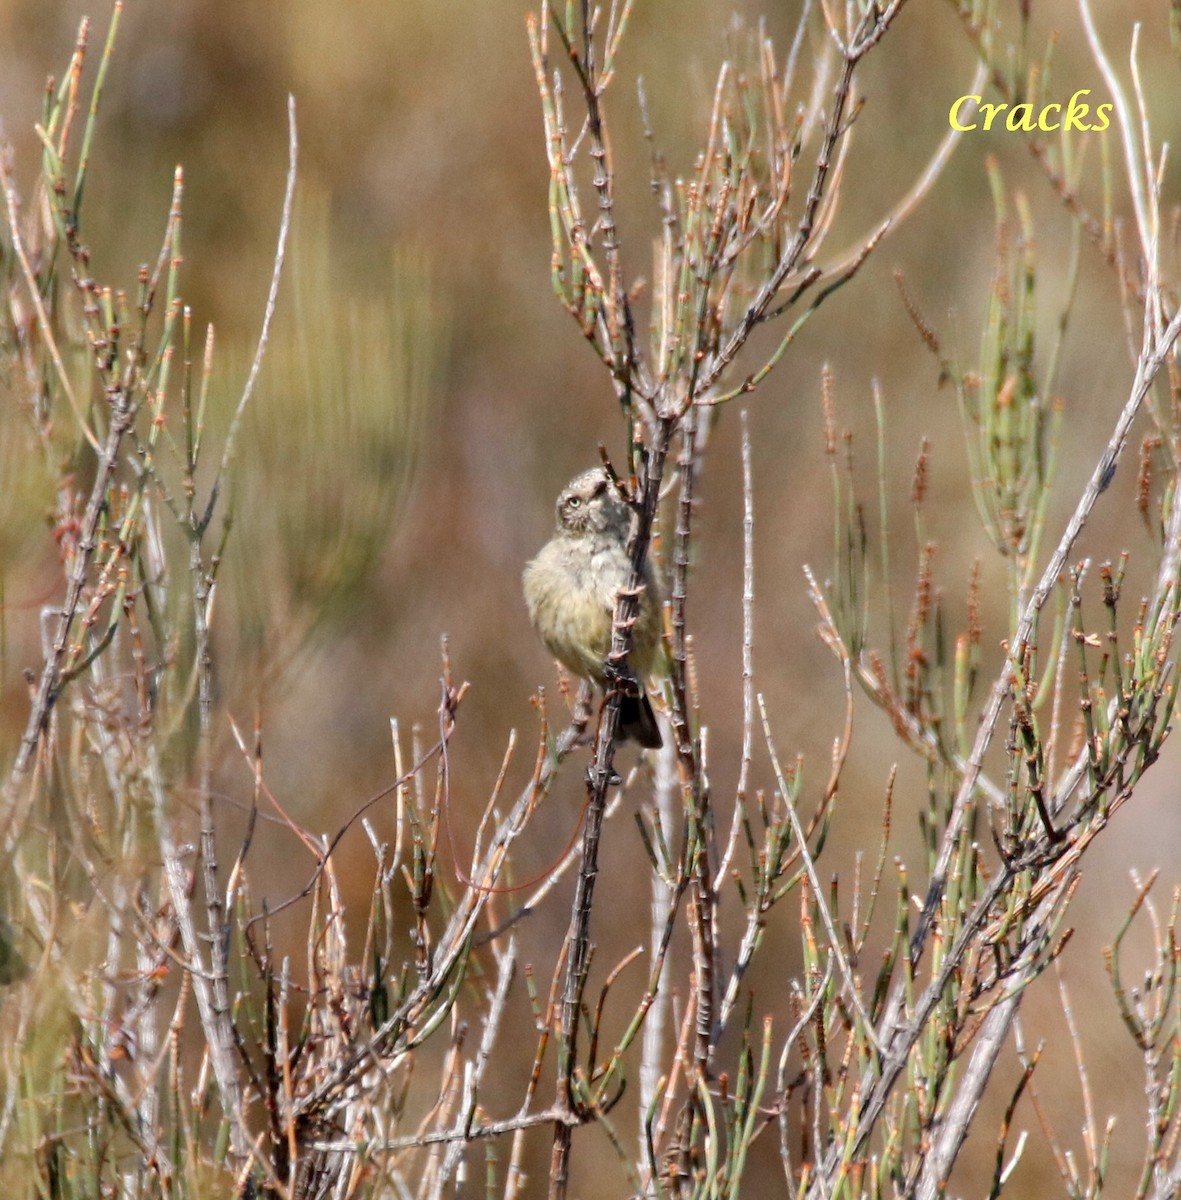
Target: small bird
{"points": [[571, 588]]}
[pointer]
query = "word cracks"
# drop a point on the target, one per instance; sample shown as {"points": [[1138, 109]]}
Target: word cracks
{"points": [[1020, 118]]}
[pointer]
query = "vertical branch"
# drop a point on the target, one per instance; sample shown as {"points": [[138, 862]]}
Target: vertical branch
{"points": [[599, 778], [212, 984], [49, 683], [748, 602], [662, 895], [695, 789], [620, 323], [269, 311]]}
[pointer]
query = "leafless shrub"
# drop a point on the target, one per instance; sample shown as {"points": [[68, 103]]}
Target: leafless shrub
{"points": [[156, 1040]]}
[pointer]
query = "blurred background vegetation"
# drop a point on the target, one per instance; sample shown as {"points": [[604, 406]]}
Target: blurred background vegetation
{"points": [[425, 397]]}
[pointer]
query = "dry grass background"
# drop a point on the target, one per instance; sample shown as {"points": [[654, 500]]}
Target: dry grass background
{"points": [[423, 194]]}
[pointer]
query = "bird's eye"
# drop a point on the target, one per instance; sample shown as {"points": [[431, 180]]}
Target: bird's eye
{"points": [[574, 502]]}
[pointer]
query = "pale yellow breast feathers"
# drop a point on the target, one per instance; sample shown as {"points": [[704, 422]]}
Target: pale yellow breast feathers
{"points": [[573, 622]]}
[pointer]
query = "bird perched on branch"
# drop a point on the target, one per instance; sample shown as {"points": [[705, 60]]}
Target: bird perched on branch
{"points": [[571, 589]]}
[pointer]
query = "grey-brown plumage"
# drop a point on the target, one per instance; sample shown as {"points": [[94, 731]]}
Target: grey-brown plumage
{"points": [[570, 590]]}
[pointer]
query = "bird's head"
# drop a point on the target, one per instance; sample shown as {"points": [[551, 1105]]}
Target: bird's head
{"points": [[590, 503]]}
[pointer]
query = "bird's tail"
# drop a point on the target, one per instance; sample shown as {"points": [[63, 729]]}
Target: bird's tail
{"points": [[637, 721]]}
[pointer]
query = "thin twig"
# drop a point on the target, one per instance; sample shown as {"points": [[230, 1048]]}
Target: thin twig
{"points": [[853, 990], [264, 333]]}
